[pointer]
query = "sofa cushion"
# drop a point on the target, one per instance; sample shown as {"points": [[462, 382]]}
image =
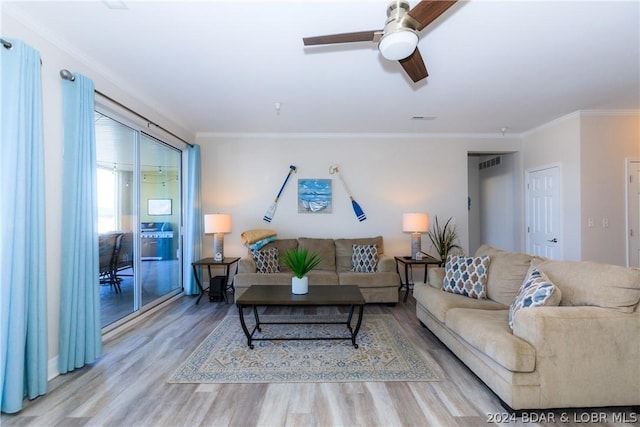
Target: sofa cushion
{"points": [[507, 271], [364, 258], [488, 332], [247, 279], [387, 264], [325, 248], [267, 260], [368, 280], [344, 250], [536, 291], [439, 302], [322, 277], [436, 277], [466, 276], [594, 284]]}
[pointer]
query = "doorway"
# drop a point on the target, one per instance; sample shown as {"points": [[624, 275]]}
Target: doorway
{"points": [[633, 212], [494, 201], [543, 216]]}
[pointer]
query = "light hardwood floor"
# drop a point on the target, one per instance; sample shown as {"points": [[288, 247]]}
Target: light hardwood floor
{"points": [[127, 386]]}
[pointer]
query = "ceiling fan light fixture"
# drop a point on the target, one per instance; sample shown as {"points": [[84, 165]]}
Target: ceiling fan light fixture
{"points": [[398, 44]]}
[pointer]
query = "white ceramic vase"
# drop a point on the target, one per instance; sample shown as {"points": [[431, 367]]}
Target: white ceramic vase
{"points": [[299, 286]]}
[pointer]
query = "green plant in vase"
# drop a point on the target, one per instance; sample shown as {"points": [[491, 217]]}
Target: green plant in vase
{"points": [[444, 238], [301, 262]]}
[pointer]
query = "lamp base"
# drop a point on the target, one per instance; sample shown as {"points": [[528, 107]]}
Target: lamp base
{"points": [[218, 247], [416, 245]]}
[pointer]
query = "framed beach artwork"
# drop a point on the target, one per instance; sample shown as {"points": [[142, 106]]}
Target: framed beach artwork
{"points": [[314, 196]]}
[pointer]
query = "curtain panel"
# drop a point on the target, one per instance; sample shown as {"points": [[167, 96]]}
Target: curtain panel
{"points": [[80, 332], [23, 309], [193, 219]]}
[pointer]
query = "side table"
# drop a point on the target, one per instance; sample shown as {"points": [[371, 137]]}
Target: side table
{"points": [[226, 263], [407, 261]]}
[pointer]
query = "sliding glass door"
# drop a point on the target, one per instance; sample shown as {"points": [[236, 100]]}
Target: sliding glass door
{"points": [[160, 218], [116, 158], [140, 217]]}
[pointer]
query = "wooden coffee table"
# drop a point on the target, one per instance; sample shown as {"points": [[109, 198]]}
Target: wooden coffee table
{"points": [[277, 295]]}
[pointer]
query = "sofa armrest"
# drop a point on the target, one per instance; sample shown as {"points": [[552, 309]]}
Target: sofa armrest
{"points": [[386, 263], [247, 265], [583, 351]]}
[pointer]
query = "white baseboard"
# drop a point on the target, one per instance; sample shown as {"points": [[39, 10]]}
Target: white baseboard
{"points": [[52, 369]]}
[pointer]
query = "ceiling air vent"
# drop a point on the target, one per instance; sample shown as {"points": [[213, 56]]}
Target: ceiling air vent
{"points": [[490, 163]]}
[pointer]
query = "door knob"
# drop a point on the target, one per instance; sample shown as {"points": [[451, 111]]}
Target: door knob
{"points": [[554, 240]]}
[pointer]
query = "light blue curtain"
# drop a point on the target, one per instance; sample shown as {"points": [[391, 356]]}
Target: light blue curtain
{"points": [[23, 310], [80, 335], [193, 220]]}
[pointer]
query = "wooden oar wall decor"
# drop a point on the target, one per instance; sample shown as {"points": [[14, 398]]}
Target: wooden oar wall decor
{"points": [[333, 169], [271, 211]]}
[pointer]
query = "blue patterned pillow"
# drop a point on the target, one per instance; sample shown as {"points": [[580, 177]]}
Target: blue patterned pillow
{"points": [[466, 276], [364, 258], [536, 291], [266, 260]]}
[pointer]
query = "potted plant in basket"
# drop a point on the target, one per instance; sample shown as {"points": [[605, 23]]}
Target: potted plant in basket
{"points": [[444, 239], [300, 261]]}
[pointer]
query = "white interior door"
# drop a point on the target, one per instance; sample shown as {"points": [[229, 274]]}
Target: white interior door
{"points": [[633, 212], [543, 212]]}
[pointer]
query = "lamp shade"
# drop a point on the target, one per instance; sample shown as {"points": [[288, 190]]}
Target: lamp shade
{"points": [[398, 44], [415, 222], [217, 223]]}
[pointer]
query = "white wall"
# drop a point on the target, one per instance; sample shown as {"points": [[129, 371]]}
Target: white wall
{"points": [[606, 140], [388, 176], [55, 58], [499, 200], [559, 142], [591, 148]]}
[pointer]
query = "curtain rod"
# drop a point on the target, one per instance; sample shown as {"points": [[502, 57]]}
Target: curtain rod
{"points": [[67, 75], [8, 45]]}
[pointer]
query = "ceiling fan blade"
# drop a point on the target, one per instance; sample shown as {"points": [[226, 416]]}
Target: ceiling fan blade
{"points": [[414, 66], [427, 11], [361, 36]]}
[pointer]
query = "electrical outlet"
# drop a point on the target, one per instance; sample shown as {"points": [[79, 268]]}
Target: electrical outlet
{"points": [[605, 222], [590, 223]]}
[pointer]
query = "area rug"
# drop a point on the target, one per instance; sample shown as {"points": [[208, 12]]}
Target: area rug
{"points": [[384, 354]]}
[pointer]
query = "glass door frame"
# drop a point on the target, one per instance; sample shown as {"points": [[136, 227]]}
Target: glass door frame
{"points": [[129, 118]]}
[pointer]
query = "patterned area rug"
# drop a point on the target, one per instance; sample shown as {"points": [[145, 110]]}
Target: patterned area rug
{"points": [[384, 354]]}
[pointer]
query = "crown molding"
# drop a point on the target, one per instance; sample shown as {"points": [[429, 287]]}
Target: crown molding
{"points": [[583, 113], [610, 113], [349, 135]]}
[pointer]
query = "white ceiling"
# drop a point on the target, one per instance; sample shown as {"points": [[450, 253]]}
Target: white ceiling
{"points": [[220, 66]]}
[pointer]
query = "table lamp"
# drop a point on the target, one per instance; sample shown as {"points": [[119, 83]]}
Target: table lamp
{"points": [[415, 223], [217, 224]]}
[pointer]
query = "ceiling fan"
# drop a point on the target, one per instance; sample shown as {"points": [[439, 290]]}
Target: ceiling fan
{"points": [[399, 39]]}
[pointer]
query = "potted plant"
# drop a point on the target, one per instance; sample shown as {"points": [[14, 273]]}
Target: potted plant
{"points": [[444, 238], [300, 261]]}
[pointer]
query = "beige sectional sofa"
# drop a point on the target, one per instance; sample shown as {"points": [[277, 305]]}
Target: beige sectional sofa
{"points": [[583, 353], [380, 286]]}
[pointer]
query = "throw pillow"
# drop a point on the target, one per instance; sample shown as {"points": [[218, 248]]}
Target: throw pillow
{"points": [[536, 291], [266, 260], [364, 258], [466, 276]]}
